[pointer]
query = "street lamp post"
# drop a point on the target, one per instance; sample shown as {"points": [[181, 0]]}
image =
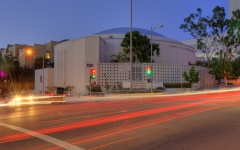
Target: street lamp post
{"points": [[131, 45], [29, 52], [159, 26], [43, 89]]}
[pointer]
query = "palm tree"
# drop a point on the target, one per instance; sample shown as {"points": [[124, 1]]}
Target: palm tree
{"points": [[120, 57]]}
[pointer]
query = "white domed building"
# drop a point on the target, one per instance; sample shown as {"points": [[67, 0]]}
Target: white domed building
{"points": [[171, 51], [73, 60]]}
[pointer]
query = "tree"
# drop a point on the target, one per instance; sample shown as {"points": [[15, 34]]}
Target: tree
{"points": [[235, 73], [120, 57], [141, 47], [209, 32], [221, 66], [18, 78], [38, 64], [202, 63], [192, 76], [6, 63], [234, 32], [5, 66]]}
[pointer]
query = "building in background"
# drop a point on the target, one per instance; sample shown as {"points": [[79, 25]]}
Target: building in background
{"points": [[26, 54], [232, 6], [12, 51]]}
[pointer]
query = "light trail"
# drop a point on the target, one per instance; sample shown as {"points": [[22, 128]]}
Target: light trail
{"points": [[33, 100], [109, 119], [119, 130]]}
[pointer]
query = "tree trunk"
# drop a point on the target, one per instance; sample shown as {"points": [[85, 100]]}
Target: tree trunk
{"points": [[219, 81]]}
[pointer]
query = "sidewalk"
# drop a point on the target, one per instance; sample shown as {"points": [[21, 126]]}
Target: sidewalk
{"points": [[109, 97]]}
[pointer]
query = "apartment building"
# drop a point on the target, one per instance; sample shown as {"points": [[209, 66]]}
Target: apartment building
{"points": [[26, 54]]}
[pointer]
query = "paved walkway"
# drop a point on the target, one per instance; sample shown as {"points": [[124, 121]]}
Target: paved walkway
{"points": [[109, 97]]}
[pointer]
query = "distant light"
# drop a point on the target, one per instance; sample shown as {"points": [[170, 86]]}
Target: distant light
{"points": [[3, 74], [48, 55]]}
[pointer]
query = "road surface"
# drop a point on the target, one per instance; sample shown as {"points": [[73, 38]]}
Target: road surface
{"points": [[182, 122]]}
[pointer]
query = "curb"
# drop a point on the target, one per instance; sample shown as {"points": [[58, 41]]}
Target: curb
{"points": [[137, 95]]}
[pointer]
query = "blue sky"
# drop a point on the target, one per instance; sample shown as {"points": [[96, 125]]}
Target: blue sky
{"points": [[40, 21]]}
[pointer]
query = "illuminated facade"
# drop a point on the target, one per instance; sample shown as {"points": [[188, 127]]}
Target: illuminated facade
{"points": [[74, 59]]}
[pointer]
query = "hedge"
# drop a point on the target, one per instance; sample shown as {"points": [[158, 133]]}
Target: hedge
{"points": [[177, 85]]}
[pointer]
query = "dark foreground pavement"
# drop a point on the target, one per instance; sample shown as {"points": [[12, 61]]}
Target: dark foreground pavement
{"points": [[187, 122]]}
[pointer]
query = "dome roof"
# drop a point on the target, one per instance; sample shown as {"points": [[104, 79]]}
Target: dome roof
{"points": [[124, 30]]}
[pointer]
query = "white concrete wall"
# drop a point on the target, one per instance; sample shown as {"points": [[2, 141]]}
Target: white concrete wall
{"points": [[162, 73], [71, 59], [91, 57], [77, 74], [61, 63], [48, 80], [102, 50], [175, 53]]}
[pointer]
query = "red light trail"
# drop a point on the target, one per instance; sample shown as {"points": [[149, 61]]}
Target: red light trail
{"points": [[131, 115]]}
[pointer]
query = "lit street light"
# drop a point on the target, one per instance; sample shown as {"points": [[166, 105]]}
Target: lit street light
{"points": [[29, 52], [159, 26]]}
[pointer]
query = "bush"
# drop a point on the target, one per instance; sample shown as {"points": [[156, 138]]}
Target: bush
{"points": [[94, 88], [160, 89], [177, 85]]}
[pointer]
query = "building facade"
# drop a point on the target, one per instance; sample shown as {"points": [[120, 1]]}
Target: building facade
{"points": [[171, 51], [73, 60]]}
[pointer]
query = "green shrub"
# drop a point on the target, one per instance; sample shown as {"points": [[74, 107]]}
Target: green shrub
{"points": [[177, 85], [94, 88]]}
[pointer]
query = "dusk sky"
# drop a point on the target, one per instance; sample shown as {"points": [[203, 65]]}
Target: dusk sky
{"points": [[40, 21]]}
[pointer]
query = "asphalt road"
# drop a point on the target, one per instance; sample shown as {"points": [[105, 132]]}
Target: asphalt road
{"points": [[188, 122]]}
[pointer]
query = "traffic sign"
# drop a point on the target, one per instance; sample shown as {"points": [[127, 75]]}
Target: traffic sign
{"points": [[89, 65]]}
